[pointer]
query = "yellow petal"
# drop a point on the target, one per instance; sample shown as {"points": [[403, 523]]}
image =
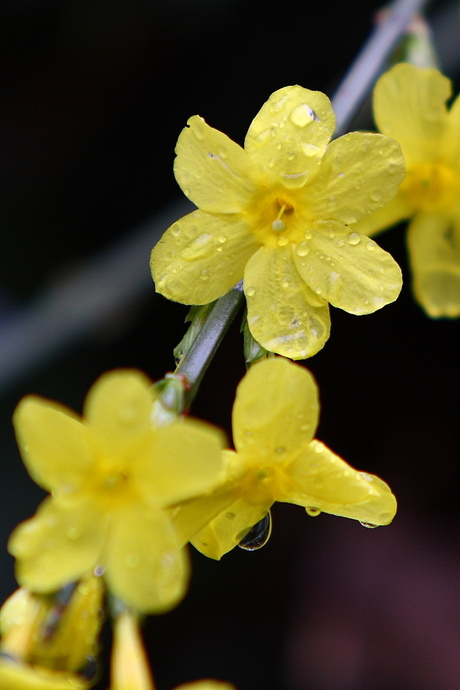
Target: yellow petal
{"points": [[145, 567], [409, 105], [201, 257], [349, 270], [284, 315], [129, 667], [53, 443], [288, 136], [60, 543], [17, 676], [229, 528], [450, 152], [359, 173], [183, 460], [213, 171], [321, 479], [434, 250], [117, 409], [395, 211], [276, 409]]}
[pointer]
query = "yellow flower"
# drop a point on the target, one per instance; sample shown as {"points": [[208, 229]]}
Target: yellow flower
{"points": [[410, 105], [19, 676], [276, 213], [130, 668], [275, 416], [111, 475]]}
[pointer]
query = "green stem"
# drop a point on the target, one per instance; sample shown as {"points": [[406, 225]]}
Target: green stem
{"points": [[346, 101], [195, 363]]}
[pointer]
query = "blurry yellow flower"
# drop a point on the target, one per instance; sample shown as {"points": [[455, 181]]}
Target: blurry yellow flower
{"points": [[130, 667], [275, 416], [111, 475], [276, 213], [19, 676], [59, 632], [410, 105]]}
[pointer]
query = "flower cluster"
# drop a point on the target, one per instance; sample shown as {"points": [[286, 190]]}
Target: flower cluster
{"points": [[276, 214], [410, 105]]}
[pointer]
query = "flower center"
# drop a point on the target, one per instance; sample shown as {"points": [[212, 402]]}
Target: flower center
{"points": [[431, 187], [279, 224]]}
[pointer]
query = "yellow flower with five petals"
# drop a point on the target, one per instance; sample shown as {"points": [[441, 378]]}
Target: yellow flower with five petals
{"points": [[276, 213], [410, 105], [275, 416], [111, 475]]}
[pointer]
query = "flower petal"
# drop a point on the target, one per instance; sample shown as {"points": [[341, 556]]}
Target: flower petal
{"points": [[53, 442], [434, 249], [117, 409], [213, 171], [320, 479], [284, 315], [145, 567], [227, 530], [207, 684], [450, 152], [182, 461], [288, 136], [409, 105], [359, 173], [395, 211], [276, 409], [19, 676], [62, 541], [349, 270], [201, 257]]}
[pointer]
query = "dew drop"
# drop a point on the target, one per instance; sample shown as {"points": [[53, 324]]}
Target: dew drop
{"points": [[303, 115], [313, 512], [319, 290], [99, 570], [90, 670], [282, 241], [353, 238], [371, 246], [222, 239], [310, 150], [340, 243], [229, 515], [277, 106], [369, 525], [290, 155], [258, 535], [331, 234], [132, 561], [73, 532], [250, 292], [365, 145], [187, 191], [285, 284], [308, 234], [376, 196], [204, 275], [222, 152], [175, 230], [302, 249], [271, 163]]}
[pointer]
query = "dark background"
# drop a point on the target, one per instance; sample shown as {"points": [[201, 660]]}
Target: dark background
{"points": [[93, 95]]}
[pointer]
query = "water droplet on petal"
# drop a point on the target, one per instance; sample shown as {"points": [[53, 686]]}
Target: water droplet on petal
{"points": [[354, 238], [319, 290], [303, 115], [313, 512], [90, 669], [204, 275], [175, 230], [302, 249], [250, 292], [341, 242], [371, 246], [369, 525], [308, 234], [376, 196], [284, 283], [282, 241], [257, 535], [222, 239], [187, 191], [99, 570]]}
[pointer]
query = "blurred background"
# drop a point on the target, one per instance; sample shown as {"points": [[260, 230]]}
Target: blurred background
{"points": [[93, 95]]}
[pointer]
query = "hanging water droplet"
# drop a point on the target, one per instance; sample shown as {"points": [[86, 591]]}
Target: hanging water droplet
{"points": [[353, 238], [312, 512], [369, 525], [258, 535], [90, 670]]}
